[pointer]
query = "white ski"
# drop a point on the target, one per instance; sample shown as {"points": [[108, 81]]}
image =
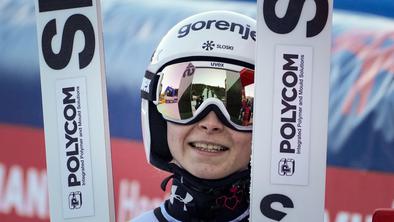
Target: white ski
{"points": [[291, 110], [75, 110]]}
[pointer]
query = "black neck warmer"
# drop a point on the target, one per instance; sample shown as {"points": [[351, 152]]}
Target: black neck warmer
{"points": [[194, 199]]}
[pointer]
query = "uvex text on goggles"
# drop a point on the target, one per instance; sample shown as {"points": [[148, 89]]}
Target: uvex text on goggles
{"points": [[184, 92]]}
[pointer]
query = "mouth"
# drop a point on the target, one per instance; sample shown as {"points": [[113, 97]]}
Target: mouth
{"points": [[208, 147]]}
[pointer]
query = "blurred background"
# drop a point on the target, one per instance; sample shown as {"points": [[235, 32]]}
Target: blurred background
{"points": [[360, 173]]}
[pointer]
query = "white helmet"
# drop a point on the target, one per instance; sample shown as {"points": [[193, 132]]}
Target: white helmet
{"points": [[216, 36]]}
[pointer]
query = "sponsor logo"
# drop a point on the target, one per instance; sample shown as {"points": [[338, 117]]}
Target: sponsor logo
{"points": [[286, 167], [227, 47], [185, 200], [208, 45], [75, 161], [217, 64], [70, 130], [291, 126], [75, 200], [292, 108], [287, 23], [289, 95], [243, 30]]}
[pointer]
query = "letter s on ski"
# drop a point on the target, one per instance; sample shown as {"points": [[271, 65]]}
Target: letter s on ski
{"points": [[74, 23], [286, 24], [269, 212]]}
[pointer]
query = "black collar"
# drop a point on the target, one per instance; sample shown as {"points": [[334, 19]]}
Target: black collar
{"points": [[195, 199]]}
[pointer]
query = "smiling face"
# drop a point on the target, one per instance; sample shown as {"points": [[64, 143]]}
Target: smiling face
{"points": [[208, 149]]}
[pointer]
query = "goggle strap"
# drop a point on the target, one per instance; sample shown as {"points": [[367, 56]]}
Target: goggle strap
{"points": [[205, 112], [149, 86]]}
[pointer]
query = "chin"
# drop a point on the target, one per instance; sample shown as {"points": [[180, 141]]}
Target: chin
{"points": [[208, 174]]}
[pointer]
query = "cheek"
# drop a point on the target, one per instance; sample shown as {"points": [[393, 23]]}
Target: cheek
{"points": [[243, 150], [176, 135], [243, 141], [173, 138]]}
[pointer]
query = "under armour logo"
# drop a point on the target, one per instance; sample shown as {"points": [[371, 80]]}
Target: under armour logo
{"points": [[185, 200]]}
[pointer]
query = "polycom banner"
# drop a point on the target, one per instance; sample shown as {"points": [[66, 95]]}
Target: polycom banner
{"points": [[75, 112], [291, 106]]}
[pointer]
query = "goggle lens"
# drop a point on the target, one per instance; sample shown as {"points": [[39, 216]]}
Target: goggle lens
{"points": [[184, 87]]}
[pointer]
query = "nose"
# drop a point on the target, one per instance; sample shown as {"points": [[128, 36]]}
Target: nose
{"points": [[211, 123]]}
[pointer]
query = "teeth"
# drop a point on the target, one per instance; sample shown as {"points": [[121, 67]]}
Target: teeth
{"points": [[213, 148]]}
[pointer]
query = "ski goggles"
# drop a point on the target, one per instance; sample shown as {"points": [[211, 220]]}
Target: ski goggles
{"points": [[185, 92]]}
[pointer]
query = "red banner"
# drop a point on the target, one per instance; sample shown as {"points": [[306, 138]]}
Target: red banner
{"points": [[351, 195]]}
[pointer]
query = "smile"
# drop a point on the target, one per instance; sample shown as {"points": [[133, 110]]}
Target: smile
{"points": [[208, 147]]}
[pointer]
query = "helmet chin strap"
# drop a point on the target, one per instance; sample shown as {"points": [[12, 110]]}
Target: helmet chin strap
{"points": [[196, 199]]}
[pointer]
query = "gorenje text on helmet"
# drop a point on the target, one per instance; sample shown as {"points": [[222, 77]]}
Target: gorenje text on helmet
{"points": [[243, 30]]}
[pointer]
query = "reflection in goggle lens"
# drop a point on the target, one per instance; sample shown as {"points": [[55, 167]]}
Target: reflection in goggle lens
{"points": [[185, 86]]}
